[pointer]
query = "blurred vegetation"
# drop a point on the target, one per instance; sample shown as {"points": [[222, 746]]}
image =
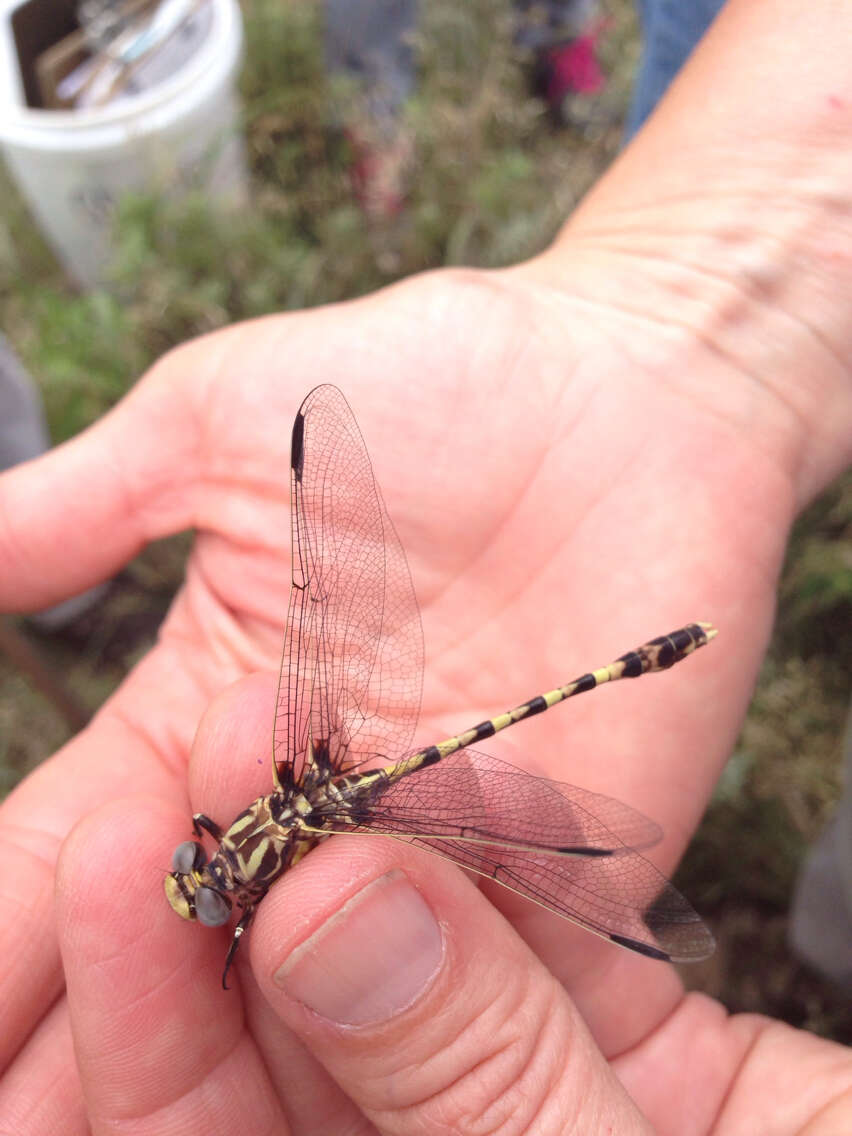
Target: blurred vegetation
{"points": [[493, 180], [779, 787]]}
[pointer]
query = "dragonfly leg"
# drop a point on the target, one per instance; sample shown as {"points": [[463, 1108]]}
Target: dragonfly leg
{"points": [[239, 931], [200, 821]]}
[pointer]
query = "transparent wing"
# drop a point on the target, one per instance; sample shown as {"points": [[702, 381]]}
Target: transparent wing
{"points": [[621, 897], [571, 851], [352, 669], [473, 796]]}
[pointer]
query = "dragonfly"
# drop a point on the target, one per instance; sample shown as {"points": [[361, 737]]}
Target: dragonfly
{"points": [[347, 707]]}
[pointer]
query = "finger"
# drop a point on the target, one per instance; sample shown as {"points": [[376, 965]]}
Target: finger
{"points": [[231, 759], [75, 515], [179, 451], [422, 1002], [70, 518], [231, 765], [31, 978], [41, 1091], [312, 1100], [620, 995], [159, 1046], [106, 759]]}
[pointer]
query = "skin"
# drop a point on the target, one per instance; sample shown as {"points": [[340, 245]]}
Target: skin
{"points": [[578, 453]]}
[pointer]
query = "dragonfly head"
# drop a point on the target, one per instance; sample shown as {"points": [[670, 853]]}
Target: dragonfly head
{"points": [[186, 892]]}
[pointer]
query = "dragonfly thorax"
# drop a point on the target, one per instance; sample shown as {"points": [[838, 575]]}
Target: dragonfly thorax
{"points": [[258, 847]]}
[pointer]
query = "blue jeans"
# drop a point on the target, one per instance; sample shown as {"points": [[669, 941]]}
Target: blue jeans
{"points": [[670, 30]]}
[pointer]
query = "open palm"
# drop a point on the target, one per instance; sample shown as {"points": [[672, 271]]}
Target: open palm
{"points": [[558, 505]]}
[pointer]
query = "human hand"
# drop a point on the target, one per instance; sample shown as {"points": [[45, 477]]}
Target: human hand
{"points": [[385, 995], [576, 453], [550, 521]]}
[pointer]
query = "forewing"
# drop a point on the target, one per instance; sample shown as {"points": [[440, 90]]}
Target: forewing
{"points": [[352, 669]]}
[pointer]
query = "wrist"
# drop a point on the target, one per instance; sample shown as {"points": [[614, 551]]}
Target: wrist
{"points": [[717, 245]]}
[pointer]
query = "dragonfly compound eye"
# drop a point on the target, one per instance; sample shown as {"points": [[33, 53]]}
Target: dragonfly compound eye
{"points": [[211, 907], [188, 857]]}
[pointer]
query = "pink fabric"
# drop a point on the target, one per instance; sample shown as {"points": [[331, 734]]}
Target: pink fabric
{"points": [[574, 67]]}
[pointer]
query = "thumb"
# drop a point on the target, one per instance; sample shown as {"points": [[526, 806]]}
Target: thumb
{"points": [[75, 515], [422, 1002]]}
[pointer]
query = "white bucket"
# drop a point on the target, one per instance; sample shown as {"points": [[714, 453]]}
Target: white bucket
{"points": [[71, 166]]}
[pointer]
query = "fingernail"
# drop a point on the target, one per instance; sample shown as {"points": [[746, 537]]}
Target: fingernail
{"points": [[369, 961]]}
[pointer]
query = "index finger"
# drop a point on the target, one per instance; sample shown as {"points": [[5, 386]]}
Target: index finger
{"points": [[33, 822], [114, 755], [154, 1046]]}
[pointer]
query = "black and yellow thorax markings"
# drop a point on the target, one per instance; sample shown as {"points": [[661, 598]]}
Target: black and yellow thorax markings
{"points": [[276, 831]]}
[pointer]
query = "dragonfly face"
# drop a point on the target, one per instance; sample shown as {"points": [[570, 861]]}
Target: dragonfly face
{"points": [[187, 892], [348, 701]]}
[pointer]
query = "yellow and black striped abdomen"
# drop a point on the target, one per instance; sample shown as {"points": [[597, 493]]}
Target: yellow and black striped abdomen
{"points": [[656, 655]]}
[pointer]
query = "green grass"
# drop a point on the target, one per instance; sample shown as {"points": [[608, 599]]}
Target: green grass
{"points": [[780, 785], [493, 180]]}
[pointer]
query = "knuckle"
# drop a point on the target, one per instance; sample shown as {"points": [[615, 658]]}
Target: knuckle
{"points": [[499, 1075]]}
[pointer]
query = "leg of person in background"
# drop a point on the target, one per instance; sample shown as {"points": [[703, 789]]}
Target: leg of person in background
{"points": [[562, 36], [821, 916], [670, 30], [23, 435], [23, 430], [371, 42]]}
